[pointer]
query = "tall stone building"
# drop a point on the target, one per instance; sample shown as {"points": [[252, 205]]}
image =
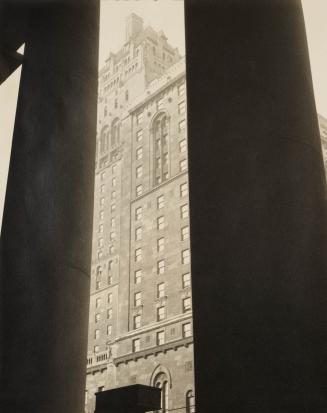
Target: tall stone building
{"points": [[140, 328]]}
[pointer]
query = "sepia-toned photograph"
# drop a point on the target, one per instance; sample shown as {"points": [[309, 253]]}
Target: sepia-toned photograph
{"points": [[163, 206]]}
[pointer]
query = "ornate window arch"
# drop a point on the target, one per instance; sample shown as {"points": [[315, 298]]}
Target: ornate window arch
{"points": [[160, 131], [115, 133], [161, 382]]}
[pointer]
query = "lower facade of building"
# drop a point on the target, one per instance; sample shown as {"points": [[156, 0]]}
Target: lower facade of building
{"points": [[169, 367]]}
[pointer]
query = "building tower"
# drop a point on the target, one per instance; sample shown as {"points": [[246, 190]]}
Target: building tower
{"points": [[140, 328]]}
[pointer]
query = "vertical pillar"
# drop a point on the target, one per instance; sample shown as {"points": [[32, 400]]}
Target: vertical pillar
{"points": [[47, 223], [258, 210]]}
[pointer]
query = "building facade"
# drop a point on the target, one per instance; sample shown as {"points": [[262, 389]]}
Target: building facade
{"points": [[140, 328]]}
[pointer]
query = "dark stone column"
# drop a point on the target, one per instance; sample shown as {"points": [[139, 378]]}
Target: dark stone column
{"points": [[47, 224], [258, 210]]}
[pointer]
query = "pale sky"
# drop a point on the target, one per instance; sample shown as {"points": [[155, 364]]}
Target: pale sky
{"points": [[166, 15]]}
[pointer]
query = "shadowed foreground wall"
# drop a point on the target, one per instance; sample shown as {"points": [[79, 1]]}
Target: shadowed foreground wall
{"points": [[47, 224], [258, 210]]}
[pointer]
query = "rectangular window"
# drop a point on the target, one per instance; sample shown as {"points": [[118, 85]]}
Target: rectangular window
{"points": [[98, 285], [184, 189], [113, 222], [182, 146], [98, 302], [183, 165], [103, 175], [160, 290], [161, 313], [113, 181], [97, 317], [138, 299], [137, 321], [96, 349], [97, 334], [101, 215], [139, 171], [186, 256], [109, 298], [136, 345], [161, 223], [113, 207], [139, 190], [138, 234], [160, 266], [102, 201], [111, 250], [160, 338], [181, 108], [138, 276], [185, 233], [109, 279], [101, 228], [184, 211], [113, 195], [112, 236], [187, 304], [160, 202], [110, 265], [181, 125], [109, 313], [181, 89], [187, 330], [138, 213], [100, 242], [103, 188], [139, 153], [100, 255], [138, 254], [139, 118], [109, 330], [139, 135], [160, 244], [114, 169], [186, 279]]}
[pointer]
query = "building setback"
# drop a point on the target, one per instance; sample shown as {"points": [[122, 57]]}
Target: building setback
{"points": [[140, 328]]}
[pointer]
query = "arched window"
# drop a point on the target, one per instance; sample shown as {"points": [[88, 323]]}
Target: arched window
{"points": [[161, 148], [115, 133], [104, 139], [161, 382], [190, 402]]}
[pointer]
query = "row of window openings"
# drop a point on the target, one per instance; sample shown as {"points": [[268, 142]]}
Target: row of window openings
{"points": [[138, 232], [160, 337], [113, 184], [136, 344], [139, 151], [160, 293], [139, 190], [183, 190], [181, 106], [185, 232], [161, 311], [184, 213], [185, 257], [139, 169], [113, 171]]}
